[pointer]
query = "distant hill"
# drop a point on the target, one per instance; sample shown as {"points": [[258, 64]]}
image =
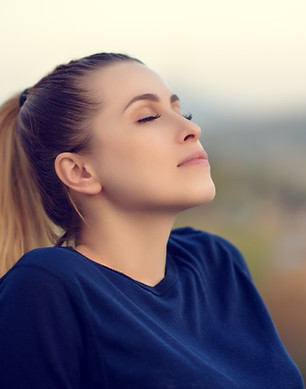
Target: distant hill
{"points": [[271, 151]]}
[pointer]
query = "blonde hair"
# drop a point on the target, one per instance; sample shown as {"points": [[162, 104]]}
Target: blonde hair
{"points": [[36, 208], [24, 224]]}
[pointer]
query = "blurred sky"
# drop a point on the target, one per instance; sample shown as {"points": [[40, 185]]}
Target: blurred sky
{"points": [[246, 56]]}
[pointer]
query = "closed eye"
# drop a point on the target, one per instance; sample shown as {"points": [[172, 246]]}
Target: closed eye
{"points": [[148, 118], [151, 118], [188, 116]]}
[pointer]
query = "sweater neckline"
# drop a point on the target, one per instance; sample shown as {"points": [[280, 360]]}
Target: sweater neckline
{"points": [[160, 288]]}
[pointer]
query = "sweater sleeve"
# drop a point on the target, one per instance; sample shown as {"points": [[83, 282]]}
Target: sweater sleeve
{"points": [[41, 331]]}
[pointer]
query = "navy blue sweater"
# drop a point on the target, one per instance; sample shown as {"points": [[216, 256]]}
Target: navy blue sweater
{"points": [[67, 322]]}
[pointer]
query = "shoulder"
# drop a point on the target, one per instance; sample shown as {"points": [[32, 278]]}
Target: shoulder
{"points": [[43, 317], [46, 281], [200, 241], [56, 260], [47, 255], [207, 248], [45, 268]]}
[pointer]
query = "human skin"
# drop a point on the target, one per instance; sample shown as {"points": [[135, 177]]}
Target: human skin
{"points": [[146, 165]]}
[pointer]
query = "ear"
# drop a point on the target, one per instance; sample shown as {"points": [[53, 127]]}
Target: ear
{"points": [[73, 171]]}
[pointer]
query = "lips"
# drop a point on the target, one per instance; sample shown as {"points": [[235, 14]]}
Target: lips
{"points": [[198, 158]]}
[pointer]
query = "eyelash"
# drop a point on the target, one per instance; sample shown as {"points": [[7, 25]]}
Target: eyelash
{"points": [[150, 118], [188, 116]]}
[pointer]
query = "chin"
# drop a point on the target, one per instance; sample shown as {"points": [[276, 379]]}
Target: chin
{"points": [[204, 199], [200, 197]]}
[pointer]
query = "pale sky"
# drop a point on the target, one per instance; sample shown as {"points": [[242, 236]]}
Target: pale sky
{"points": [[241, 54]]}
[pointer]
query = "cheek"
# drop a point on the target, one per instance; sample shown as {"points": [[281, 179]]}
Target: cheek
{"points": [[142, 173], [138, 154], [135, 169]]}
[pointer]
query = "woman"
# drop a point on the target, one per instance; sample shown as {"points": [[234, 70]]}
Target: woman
{"points": [[99, 153]]}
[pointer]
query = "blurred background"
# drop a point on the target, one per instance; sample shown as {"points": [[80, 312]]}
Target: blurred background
{"points": [[239, 68]]}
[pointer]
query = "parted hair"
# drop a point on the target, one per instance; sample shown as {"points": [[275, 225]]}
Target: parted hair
{"points": [[55, 116]]}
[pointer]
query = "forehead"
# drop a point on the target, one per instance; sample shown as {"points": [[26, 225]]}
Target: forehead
{"points": [[120, 82]]}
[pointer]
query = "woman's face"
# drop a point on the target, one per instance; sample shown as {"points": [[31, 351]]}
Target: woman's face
{"points": [[146, 155]]}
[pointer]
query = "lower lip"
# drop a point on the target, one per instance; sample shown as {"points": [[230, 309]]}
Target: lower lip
{"points": [[196, 161]]}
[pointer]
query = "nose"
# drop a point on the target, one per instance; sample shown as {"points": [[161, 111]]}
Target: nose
{"points": [[190, 131]]}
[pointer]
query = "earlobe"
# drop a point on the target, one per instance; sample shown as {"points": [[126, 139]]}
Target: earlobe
{"points": [[75, 174]]}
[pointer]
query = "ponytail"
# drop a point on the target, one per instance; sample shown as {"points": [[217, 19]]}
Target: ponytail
{"points": [[24, 224], [36, 208]]}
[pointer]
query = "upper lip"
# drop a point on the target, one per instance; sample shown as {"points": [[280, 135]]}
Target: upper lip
{"points": [[197, 155]]}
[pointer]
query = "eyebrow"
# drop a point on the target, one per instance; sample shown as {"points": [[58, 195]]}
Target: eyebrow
{"points": [[150, 97]]}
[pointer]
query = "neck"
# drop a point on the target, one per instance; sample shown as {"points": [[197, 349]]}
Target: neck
{"points": [[132, 243]]}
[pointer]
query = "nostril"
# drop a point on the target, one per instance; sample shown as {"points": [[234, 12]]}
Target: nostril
{"points": [[189, 136]]}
